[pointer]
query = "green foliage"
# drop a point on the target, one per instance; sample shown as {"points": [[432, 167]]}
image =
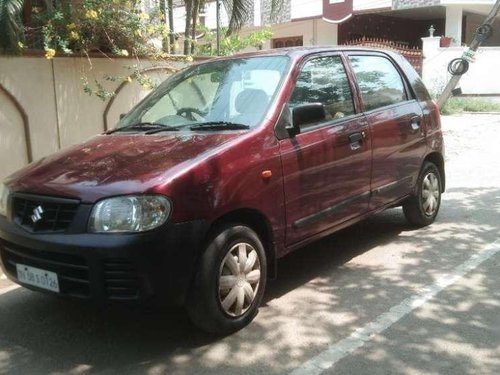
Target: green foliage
{"points": [[460, 105], [230, 43], [239, 11], [108, 27], [11, 27], [116, 27]]}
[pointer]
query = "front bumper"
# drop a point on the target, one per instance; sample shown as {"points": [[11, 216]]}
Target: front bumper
{"points": [[104, 267]]}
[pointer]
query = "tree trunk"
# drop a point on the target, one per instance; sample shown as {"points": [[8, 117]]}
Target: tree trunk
{"points": [[196, 9], [170, 4], [165, 44], [187, 31]]}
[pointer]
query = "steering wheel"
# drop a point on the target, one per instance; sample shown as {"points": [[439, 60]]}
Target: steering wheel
{"points": [[189, 112]]}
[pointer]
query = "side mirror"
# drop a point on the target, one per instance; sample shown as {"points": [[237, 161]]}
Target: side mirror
{"points": [[305, 114], [291, 120]]}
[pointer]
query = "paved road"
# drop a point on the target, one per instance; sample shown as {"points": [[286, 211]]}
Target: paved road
{"points": [[377, 298]]}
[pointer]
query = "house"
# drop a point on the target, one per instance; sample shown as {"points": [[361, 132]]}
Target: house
{"points": [[303, 22]]}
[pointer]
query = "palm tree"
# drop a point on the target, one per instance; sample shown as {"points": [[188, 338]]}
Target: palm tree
{"points": [[238, 10], [11, 25]]}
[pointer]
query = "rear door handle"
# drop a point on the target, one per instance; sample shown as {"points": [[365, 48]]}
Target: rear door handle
{"points": [[415, 123]]}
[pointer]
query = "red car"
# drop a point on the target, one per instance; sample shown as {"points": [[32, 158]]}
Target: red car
{"points": [[224, 168]]}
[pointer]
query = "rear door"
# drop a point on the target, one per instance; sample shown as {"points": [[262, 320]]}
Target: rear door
{"points": [[395, 122], [327, 166]]}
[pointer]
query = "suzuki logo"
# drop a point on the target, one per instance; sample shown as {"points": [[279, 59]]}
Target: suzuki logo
{"points": [[37, 214]]}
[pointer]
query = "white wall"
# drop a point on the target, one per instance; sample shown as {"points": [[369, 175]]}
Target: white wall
{"points": [[315, 32], [483, 76], [360, 5], [306, 8], [59, 113]]}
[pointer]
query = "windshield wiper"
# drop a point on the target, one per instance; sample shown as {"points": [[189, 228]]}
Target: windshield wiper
{"points": [[219, 125], [139, 126]]}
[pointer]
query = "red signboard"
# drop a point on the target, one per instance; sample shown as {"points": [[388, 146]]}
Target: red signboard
{"points": [[337, 11]]}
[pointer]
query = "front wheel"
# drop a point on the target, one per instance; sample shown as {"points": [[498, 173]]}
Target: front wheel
{"points": [[230, 281], [422, 208]]}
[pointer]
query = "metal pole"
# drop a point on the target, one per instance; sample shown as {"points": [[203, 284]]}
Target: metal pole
{"points": [[471, 51], [217, 15]]}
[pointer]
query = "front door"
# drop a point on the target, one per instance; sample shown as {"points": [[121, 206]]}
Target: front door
{"points": [[327, 166]]}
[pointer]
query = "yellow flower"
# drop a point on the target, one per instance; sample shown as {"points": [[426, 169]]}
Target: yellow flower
{"points": [[144, 16], [189, 58], [20, 45], [50, 53], [91, 14], [71, 26], [124, 52], [73, 35]]}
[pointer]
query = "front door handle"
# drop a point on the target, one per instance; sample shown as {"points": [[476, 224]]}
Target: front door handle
{"points": [[355, 140]]}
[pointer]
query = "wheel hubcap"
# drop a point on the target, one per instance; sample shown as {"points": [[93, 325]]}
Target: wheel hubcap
{"points": [[430, 194], [239, 279]]}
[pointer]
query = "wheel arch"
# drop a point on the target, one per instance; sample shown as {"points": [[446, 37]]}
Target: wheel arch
{"points": [[437, 159], [258, 222]]}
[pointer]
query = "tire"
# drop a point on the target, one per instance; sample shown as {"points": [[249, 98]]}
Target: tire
{"points": [[222, 281], [422, 208]]}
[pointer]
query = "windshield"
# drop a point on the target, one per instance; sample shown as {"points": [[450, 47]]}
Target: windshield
{"points": [[234, 92]]}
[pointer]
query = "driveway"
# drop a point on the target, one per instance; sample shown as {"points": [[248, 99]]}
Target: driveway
{"points": [[377, 298]]}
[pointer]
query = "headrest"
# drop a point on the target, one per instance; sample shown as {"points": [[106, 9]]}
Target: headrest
{"points": [[249, 99]]}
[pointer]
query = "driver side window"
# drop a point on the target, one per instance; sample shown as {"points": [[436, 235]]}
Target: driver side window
{"points": [[324, 80]]}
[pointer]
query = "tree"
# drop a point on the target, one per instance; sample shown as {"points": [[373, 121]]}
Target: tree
{"points": [[238, 10], [171, 35], [11, 26], [188, 29]]}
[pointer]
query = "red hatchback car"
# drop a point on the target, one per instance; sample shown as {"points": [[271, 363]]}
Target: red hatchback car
{"points": [[224, 168]]}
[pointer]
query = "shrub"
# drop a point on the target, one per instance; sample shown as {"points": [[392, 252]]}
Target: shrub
{"points": [[463, 104]]}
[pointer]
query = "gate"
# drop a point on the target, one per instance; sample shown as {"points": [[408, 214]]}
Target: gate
{"points": [[413, 55]]}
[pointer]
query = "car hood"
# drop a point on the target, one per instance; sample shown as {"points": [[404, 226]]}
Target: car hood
{"points": [[115, 164]]}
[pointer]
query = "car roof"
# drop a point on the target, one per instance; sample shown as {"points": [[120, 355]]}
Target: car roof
{"points": [[297, 52]]}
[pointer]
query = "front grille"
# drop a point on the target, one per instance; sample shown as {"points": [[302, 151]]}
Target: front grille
{"points": [[121, 279], [72, 271], [44, 215]]}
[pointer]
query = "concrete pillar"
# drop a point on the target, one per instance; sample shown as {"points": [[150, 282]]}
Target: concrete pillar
{"points": [[430, 46], [454, 15]]}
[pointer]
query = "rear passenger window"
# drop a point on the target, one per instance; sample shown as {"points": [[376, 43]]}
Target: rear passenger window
{"points": [[324, 80], [379, 81]]}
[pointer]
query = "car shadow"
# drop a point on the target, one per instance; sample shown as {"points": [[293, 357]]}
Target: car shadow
{"points": [[323, 292], [106, 336]]}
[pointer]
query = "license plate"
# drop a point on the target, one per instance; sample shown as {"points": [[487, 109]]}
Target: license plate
{"points": [[37, 277]]}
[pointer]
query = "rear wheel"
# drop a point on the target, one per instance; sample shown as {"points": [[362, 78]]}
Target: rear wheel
{"points": [[230, 281], [422, 208]]}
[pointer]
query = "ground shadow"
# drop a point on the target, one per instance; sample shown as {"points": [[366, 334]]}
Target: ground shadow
{"points": [[321, 295]]}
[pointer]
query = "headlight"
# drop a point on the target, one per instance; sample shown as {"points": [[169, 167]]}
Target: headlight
{"points": [[4, 196], [129, 214]]}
